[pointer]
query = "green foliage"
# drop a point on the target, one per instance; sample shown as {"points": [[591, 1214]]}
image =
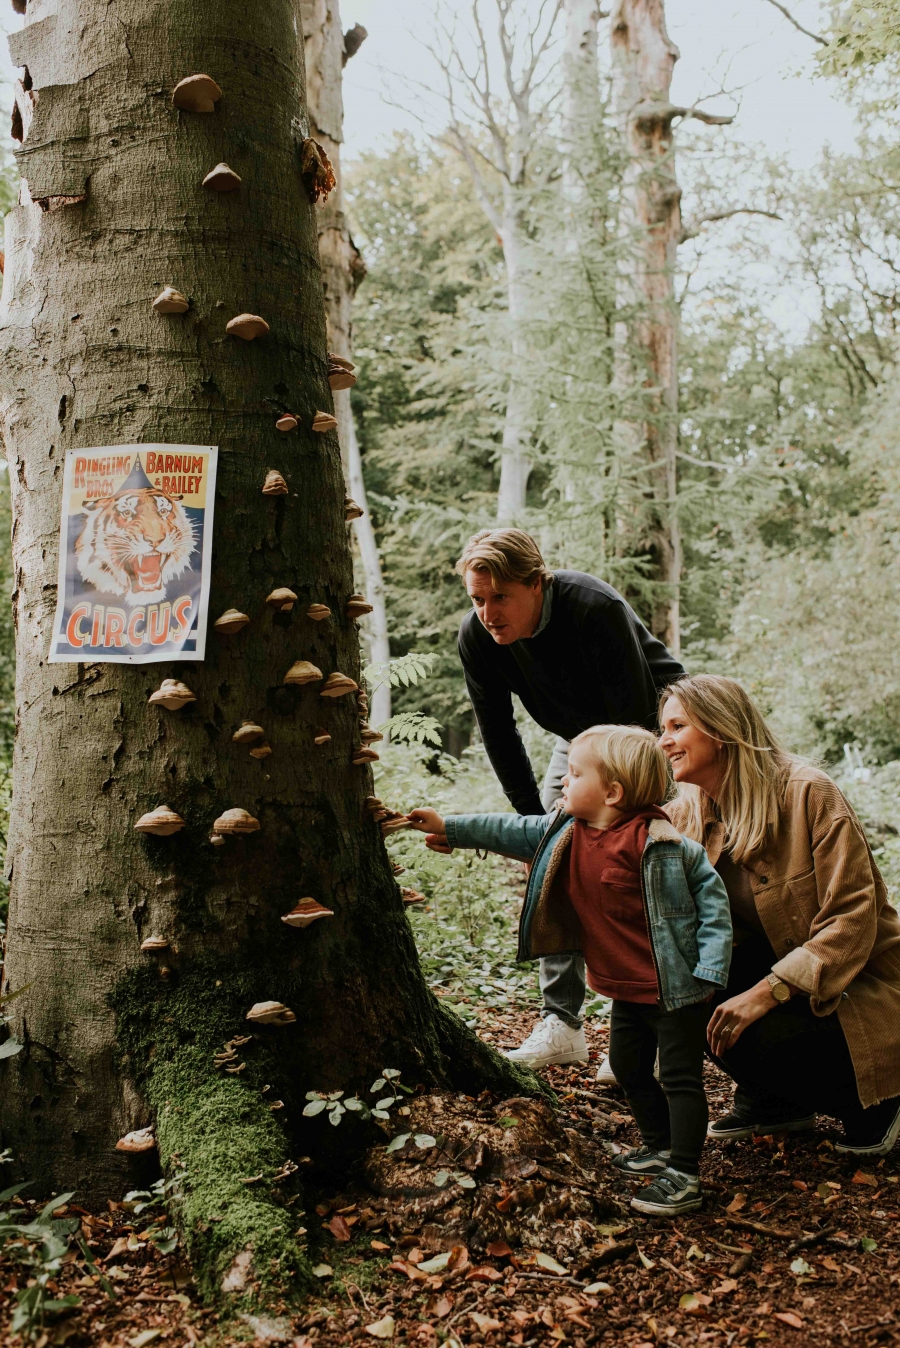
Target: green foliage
{"points": [[337, 1103], [39, 1246], [864, 38]]}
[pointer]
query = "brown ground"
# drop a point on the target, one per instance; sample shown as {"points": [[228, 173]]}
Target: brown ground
{"points": [[796, 1244]]}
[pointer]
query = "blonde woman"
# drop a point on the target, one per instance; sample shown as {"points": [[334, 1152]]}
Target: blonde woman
{"points": [[810, 1021]]}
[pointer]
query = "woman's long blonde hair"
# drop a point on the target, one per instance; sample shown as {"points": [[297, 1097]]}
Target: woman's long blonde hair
{"points": [[756, 764]]}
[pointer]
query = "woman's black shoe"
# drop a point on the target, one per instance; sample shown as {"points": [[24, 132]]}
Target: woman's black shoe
{"points": [[737, 1125], [877, 1131]]}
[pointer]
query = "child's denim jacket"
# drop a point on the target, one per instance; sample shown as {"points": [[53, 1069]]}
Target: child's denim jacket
{"points": [[685, 902]]}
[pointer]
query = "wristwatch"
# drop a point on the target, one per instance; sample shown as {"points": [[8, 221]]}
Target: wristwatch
{"points": [[780, 990]]}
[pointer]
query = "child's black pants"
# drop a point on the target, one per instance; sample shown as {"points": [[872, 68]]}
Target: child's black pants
{"points": [[671, 1113]]}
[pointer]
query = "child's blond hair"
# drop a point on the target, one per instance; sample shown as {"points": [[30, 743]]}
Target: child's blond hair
{"points": [[632, 757]]}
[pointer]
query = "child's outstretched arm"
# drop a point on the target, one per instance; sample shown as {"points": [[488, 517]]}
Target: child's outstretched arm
{"points": [[432, 825]]}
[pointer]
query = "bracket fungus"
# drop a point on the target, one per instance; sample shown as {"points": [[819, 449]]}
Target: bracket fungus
{"points": [[271, 1013], [170, 301], [235, 822], [261, 750], [397, 869], [274, 484], [307, 911], [152, 943], [321, 737], [217, 840], [341, 372], [357, 606], [338, 685], [351, 510], [318, 611], [197, 93], [287, 422], [231, 621], [161, 821], [410, 896], [247, 326], [222, 179], [369, 736], [392, 821], [140, 1140], [282, 599], [362, 757], [171, 694], [316, 170], [303, 671], [248, 733], [324, 421]]}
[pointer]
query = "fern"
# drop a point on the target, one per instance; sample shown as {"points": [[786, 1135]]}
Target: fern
{"points": [[413, 727], [405, 669]]}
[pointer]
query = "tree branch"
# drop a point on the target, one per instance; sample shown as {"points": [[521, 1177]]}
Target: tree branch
{"points": [[667, 112], [816, 37], [691, 230]]}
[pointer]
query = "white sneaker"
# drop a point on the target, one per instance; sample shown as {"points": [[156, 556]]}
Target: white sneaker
{"points": [[551, 1042], [605, 1075]]}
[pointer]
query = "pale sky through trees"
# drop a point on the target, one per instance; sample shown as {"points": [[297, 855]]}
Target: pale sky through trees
{"points": [[724, 43]]}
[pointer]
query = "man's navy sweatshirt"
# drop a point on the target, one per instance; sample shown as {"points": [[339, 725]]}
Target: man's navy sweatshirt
{"points": [[594, 663]]}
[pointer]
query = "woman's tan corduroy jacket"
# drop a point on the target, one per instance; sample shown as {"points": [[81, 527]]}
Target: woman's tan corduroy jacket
{"points": [[824, 907]]}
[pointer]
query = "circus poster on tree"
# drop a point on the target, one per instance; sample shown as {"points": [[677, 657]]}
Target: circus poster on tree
{"points": [[135, 546]]}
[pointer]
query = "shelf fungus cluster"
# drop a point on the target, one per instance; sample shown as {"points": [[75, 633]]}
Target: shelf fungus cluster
{"points": [[171, 694], [170, 301], [151, 945], [230, 622], [306, 912], [142, 1139], [228, 1058], [222, 179], [362, 757], [247, 326], [162, 821], [271, 1013], [287, 422], [282, 599], [197, 93], [338, 685], [341, 372], [235, 823], [392, 821], [274, 484], [318, 612], [254, 736], [357, 606], [411, 896], [303, 671], [324, 421]]}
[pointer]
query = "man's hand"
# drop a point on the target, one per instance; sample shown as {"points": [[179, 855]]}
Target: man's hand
{"points": [[431, 824], [729, 1021]]}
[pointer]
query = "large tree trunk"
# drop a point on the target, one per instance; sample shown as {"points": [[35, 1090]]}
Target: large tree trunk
{"points": [[342, 271], [643, 59], [113, 1040]]}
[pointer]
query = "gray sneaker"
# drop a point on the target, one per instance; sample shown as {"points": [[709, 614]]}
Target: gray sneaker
{"points": [[642, 1161], [670, 1194]]}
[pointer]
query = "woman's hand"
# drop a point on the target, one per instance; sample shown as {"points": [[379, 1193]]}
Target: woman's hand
{"points": [[729, 1021], [432, 825]]}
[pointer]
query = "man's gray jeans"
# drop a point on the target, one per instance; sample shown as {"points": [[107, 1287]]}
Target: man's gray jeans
{"points": [[562, 976]]}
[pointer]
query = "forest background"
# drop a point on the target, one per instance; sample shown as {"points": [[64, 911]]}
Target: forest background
{"points": [[788, 447]]}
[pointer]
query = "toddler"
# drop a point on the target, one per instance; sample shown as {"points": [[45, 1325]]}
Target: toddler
{"points": [[613, 878]]}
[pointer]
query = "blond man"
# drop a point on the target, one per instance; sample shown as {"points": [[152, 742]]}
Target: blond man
{"points": [[575, 654]]}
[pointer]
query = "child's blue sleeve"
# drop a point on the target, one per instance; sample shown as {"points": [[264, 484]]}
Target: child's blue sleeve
{"points": [[514, 835], [715, 937]]}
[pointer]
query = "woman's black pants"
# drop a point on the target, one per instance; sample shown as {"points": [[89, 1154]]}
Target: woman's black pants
{"points": [[790, 1063]]}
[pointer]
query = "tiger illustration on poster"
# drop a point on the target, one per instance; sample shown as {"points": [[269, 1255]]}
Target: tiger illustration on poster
{"points": [[135, 554], [134, 543]]}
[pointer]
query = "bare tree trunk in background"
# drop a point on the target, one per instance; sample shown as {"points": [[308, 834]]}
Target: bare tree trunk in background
{"points": [[515, 460], [643, 59], [112, 1040], [342, 271], [581, 107]]}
